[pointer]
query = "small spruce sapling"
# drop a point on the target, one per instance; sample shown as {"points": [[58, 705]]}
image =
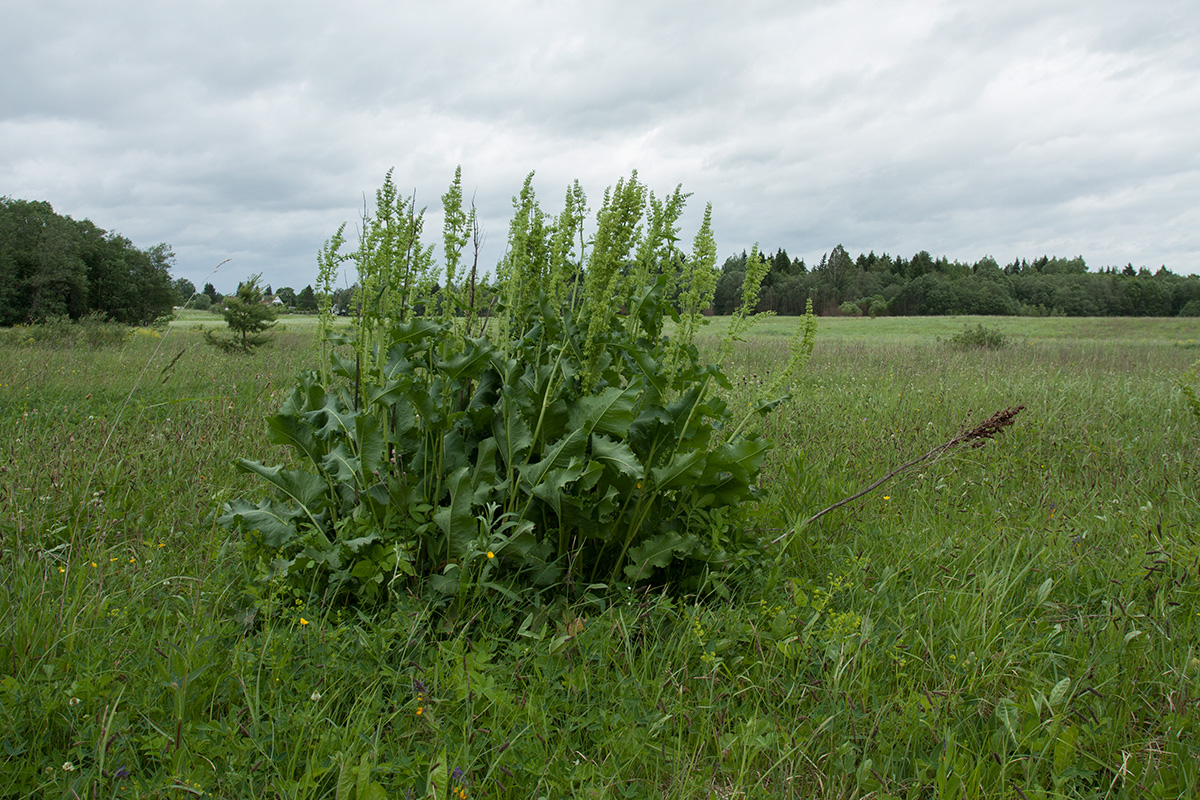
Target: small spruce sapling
{"points": [[248, 318]]}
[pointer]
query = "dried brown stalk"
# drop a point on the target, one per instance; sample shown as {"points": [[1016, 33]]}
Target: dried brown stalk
{"points": [[974, 437]]}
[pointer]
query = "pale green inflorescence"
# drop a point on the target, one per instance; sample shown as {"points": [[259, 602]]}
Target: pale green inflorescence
{"points": [[618, 228]]}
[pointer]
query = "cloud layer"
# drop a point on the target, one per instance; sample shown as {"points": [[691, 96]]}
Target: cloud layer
{"points": [[250, 131]]}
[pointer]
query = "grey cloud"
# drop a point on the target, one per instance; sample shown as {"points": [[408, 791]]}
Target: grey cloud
{"points": [[254, 129]]}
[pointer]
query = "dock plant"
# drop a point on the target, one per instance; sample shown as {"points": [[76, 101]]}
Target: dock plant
{"points": [[577, 441]]}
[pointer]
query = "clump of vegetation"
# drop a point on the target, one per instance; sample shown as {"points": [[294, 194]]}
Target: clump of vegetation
{"points": [[92, 331], [980, 337], [249, 319], [1189, 391], [572, 443], [850, 309]]}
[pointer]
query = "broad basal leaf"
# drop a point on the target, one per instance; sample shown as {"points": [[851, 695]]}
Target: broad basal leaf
{"points": [[343, 466], [655, 553], [469, 361], [332, 418], [609, 412], [617, 456], [270, 518], [305, 489], [293, 431], [512, 432], [556, 456], [683, 470], [457, 520], [553, 485]]}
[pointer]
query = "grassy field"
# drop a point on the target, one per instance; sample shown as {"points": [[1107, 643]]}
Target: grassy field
{"points": [[193, 319], [1019, 620]]}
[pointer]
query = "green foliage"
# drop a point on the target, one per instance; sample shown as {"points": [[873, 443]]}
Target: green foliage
{"points": [[850, 309], [929, 286], [744, 317], [184, 289], [288, 296], [248, 318], [55, 266], [579, 446], [92, 331], [1189, 391], [978, 338], [456, 228], [306, 300]]}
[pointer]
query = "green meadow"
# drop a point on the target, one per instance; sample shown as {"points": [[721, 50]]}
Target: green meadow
{"points": [[1015, 620]]}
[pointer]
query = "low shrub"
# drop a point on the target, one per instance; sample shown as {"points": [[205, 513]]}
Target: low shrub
{"points": [[978, 338]]}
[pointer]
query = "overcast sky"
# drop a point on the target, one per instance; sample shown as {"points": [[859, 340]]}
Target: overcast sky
{"points": [[250, 130]]}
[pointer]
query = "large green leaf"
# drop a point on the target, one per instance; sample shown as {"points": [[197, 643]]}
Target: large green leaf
{"points": [[415, 329], [742, 460], [308, 491], [556, 456], [609, 412], [618, 456], [653, 375], [343, 466], [388, 392], [655, 553], [513, 434], [650, 430], [553, 485], [370, 445], [331, 418], [457, 521], [471, 360], [270, 518], [683, 470], [482, 407], [291, 430], [454, 450], [483, 480]]}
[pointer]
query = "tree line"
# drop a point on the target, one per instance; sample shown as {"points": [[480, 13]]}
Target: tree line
{"points": [[304, 301], [922, 285], [875, 285], [54, 266]]}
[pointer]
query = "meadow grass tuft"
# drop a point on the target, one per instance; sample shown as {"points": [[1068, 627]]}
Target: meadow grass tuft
{"points": [[1014, 621]]}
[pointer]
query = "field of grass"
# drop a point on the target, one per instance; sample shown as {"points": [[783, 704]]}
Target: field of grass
{"points": [[194, 319], [1018, 620]]}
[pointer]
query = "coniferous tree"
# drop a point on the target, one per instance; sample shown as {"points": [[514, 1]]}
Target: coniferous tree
{"points": [[307, 299], [248, 318]]}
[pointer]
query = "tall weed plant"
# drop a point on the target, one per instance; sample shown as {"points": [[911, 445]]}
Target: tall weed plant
{"points": [[576, 443]]}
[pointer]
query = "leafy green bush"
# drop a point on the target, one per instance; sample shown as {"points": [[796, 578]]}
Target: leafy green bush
{"points": [[571, 445], [978, 338]]}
